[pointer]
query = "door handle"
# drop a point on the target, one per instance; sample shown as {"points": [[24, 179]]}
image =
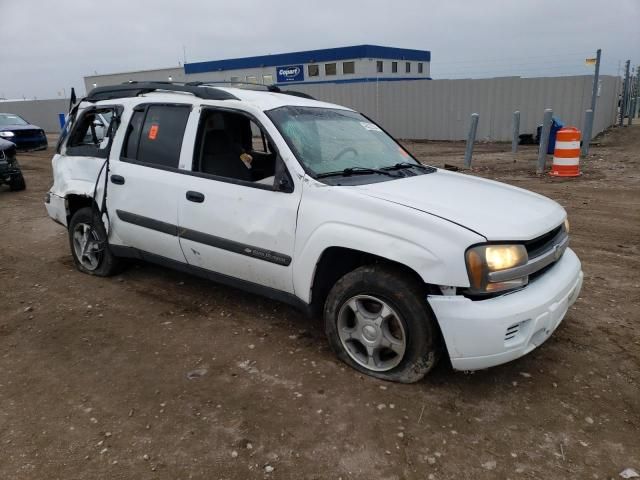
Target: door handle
{"points": [[195, 196], [117, 179]]}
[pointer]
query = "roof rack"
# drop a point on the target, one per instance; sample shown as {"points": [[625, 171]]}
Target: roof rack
{"points": [[253, 86], [234, 84], [134, 89]]}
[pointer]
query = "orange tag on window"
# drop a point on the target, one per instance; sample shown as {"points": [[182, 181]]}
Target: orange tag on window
{"points": [[403, 152], [153, 132]]}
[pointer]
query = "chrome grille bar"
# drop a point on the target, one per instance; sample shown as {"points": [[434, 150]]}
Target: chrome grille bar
{"points": [[533, 265]]}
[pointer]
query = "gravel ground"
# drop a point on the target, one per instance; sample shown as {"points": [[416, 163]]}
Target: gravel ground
{"points": [[153, 374]]}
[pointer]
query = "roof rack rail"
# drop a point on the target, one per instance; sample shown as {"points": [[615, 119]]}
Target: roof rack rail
{"points": [[229, 83], [134, 89], [253, 86], [297, 94]]}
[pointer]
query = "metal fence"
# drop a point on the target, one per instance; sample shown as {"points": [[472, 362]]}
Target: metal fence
{"points": [[435, 109], [441, 109]]}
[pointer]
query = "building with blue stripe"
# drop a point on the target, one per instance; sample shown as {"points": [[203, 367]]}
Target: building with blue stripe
{"points": [[336, 65], [353, 64]]}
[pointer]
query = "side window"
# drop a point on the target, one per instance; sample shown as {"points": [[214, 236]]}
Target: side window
{"points": [[348, 67], [154, 135], [232, 145], [92, 132], [130, 148], [329, 69], [313, 70]]}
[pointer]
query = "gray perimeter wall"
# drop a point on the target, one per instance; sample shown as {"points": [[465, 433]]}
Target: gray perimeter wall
{"points": [[434, 109], [43, 113], [441, 109]]}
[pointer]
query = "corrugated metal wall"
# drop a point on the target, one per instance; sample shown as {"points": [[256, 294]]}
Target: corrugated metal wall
{"points": [[436, 109], [441, 109], [43, 113]]}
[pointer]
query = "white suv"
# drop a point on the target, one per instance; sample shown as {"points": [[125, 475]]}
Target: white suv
{"points": [[315, 205]]}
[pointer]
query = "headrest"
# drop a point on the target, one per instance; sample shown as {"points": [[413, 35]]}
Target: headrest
{"points": [[215, 121]]}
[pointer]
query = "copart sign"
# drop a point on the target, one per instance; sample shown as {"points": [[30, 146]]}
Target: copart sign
{"points": [[290, 73]]}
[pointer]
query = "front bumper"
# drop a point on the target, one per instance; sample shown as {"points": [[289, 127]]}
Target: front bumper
{"points": [[28, 142], [484, 333], [31, 143]]}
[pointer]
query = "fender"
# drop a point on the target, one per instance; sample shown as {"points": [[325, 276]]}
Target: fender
{"points": [[75, 176], [422, 242]]}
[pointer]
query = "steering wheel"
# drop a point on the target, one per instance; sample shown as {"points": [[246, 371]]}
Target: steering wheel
{"points": [[344, 151]]}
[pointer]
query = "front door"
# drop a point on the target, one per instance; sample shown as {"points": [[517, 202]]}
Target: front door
{"points": [[238, 209]]}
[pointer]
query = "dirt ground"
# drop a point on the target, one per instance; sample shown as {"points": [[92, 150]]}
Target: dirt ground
{"points": [[154, 374]]}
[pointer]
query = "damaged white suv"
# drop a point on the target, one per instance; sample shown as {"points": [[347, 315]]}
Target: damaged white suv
{"points": [[315, 205]]}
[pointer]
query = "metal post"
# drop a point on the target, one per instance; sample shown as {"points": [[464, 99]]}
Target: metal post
{"points": [[625, 89], [468, 153], [631, 104], [586, 137], [588, 119], [516, 131], [636, 110], [544, 140]]}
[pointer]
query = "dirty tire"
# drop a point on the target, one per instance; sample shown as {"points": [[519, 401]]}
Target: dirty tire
{"points": [[17, 183], [107, 263], [405, 296]]}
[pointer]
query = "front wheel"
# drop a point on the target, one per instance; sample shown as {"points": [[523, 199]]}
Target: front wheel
{"points": [[89, 245], [378, 321]]}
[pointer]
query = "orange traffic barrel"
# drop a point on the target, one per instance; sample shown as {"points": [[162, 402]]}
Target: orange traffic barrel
{"points": [[566, 156]]}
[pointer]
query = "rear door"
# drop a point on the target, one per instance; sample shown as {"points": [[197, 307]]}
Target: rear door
{"points": [[143, 193]]}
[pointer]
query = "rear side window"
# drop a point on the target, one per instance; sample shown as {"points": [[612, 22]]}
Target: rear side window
{"points": [[130, 149], [155, 133]]}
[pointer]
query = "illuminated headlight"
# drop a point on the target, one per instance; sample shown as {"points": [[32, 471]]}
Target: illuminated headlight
{"points": [[7, 134], [485, 259], [566, 225]]}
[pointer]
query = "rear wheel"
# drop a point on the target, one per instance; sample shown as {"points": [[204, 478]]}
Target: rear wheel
{"points": [[378, 321], [89, 245], [17, 183]]}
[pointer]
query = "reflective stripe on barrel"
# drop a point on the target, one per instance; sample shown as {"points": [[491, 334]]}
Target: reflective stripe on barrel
{"points": [[566, 156]]}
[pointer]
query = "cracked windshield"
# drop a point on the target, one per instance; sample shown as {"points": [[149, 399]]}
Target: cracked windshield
{"points": [[331, 140]]}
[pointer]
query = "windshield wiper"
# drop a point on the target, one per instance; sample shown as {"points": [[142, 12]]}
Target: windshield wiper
{"points": [[347, 172], [401, 165]]}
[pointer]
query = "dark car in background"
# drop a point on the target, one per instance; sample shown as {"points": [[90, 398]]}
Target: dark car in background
{"points": [[10, 172], [17, 130]]}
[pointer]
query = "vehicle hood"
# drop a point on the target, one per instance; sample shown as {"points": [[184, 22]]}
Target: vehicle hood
{"points": [[14, 128], [495, 210], [6, 145]]}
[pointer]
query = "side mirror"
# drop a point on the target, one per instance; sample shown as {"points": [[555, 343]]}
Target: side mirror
{"points": [[284, 184]]}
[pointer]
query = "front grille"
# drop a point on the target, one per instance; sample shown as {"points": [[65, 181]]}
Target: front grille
{"points": [[539, 245], [545, 244], [27, 133]]}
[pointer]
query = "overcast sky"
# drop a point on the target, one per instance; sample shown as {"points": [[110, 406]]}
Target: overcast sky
{"points": [[48, 46]]}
